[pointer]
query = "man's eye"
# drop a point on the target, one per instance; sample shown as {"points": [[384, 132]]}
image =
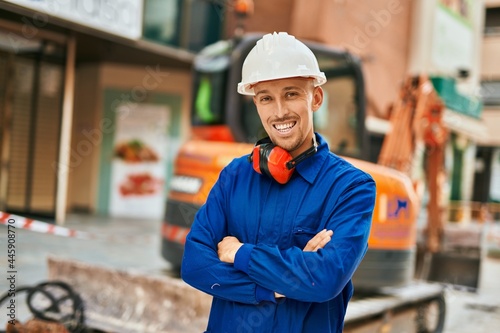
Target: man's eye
{"points": [[265, 99], [291, 94]]}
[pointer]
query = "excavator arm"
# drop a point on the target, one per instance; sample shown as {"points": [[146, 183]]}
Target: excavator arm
{"points": [[416, 123]]}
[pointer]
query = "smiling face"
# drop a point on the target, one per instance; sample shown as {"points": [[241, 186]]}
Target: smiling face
{"points": [[285, 108]]}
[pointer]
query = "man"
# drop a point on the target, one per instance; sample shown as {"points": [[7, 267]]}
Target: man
{"points": [[277, 248]]}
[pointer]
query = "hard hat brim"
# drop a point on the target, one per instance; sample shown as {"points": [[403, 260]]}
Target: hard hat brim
{"points": [[246, 88]]}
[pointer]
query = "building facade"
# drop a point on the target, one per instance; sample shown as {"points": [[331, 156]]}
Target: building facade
{"points": [[86, 87], [76, 78]]}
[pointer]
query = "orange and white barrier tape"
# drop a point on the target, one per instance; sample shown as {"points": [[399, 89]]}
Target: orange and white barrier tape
{"points": [[20, 222]]}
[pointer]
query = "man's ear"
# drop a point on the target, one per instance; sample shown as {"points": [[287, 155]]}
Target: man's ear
{"points": [[317, 98]]}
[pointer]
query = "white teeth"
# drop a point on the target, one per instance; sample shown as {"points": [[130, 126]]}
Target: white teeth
{"points": [[282, 127]]}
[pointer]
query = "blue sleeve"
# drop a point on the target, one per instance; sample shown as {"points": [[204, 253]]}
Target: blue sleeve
{"points": [[242, 257], [201, 266], [318, 276]]}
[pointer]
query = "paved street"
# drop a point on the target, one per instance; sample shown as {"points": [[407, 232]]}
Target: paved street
{"points": [[135, 246], [471, 312]]}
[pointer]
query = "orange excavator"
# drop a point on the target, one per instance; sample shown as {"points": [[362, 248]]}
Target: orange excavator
{"points": [[417, 124], [226, 125]]}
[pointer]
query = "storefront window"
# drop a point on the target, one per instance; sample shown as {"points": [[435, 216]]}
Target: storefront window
{"points": [[490, 93], [492, 21], [495, 177], [31, 92], [205, 23], [190, 25], [162, 21]]}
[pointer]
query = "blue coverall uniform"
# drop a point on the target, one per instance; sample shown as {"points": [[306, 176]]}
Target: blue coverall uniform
{"points": [[275, 222]]}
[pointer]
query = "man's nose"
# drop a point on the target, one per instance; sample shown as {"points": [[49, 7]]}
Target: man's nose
{"points": [[281, 109]]}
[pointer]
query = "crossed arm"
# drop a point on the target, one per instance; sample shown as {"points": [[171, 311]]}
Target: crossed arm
{"points": [[227, 248]]}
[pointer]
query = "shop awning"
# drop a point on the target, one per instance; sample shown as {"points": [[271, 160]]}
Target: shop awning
{"points": [[133, 52], [446, 87], [97, 45], [463, 114]]}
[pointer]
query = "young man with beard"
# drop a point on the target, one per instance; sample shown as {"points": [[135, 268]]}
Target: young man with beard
{"points": [[276, 248]]}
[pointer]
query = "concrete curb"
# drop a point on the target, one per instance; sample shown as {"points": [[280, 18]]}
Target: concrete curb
{"points": [[127, 302]]}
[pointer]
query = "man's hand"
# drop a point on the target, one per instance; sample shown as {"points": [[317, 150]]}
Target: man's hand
{"points": [[227, 248], [318, 241], [276, 295]]}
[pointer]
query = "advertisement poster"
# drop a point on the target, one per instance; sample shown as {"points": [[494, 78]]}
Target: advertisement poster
{"points": [[139, 161]]}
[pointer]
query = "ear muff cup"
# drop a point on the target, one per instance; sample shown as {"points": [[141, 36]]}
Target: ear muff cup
{"points": [[272, 160]]}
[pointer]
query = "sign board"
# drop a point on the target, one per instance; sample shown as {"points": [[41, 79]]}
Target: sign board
{"points": [[139, 161], [118, 17]]}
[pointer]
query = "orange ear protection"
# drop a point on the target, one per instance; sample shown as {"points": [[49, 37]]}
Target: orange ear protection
{"points": [[276, 162]]}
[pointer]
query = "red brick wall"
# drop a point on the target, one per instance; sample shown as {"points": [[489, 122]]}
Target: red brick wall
{"points": [[269, 16], [376, 30]]}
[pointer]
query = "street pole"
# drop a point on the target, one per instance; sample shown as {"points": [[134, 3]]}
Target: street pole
{"points": [[66, 124]]}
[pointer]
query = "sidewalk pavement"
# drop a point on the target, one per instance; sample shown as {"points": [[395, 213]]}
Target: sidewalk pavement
{"points": [[121, 243], [134, 245]]}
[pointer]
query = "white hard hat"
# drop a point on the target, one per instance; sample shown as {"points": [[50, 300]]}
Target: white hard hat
{"points": [[278, 56]]}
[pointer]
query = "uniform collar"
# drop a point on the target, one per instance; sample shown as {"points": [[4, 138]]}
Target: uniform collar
{"points": [[310, 167]]}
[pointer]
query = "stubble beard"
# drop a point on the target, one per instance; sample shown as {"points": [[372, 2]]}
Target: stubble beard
{"points": [[289, 145]]}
